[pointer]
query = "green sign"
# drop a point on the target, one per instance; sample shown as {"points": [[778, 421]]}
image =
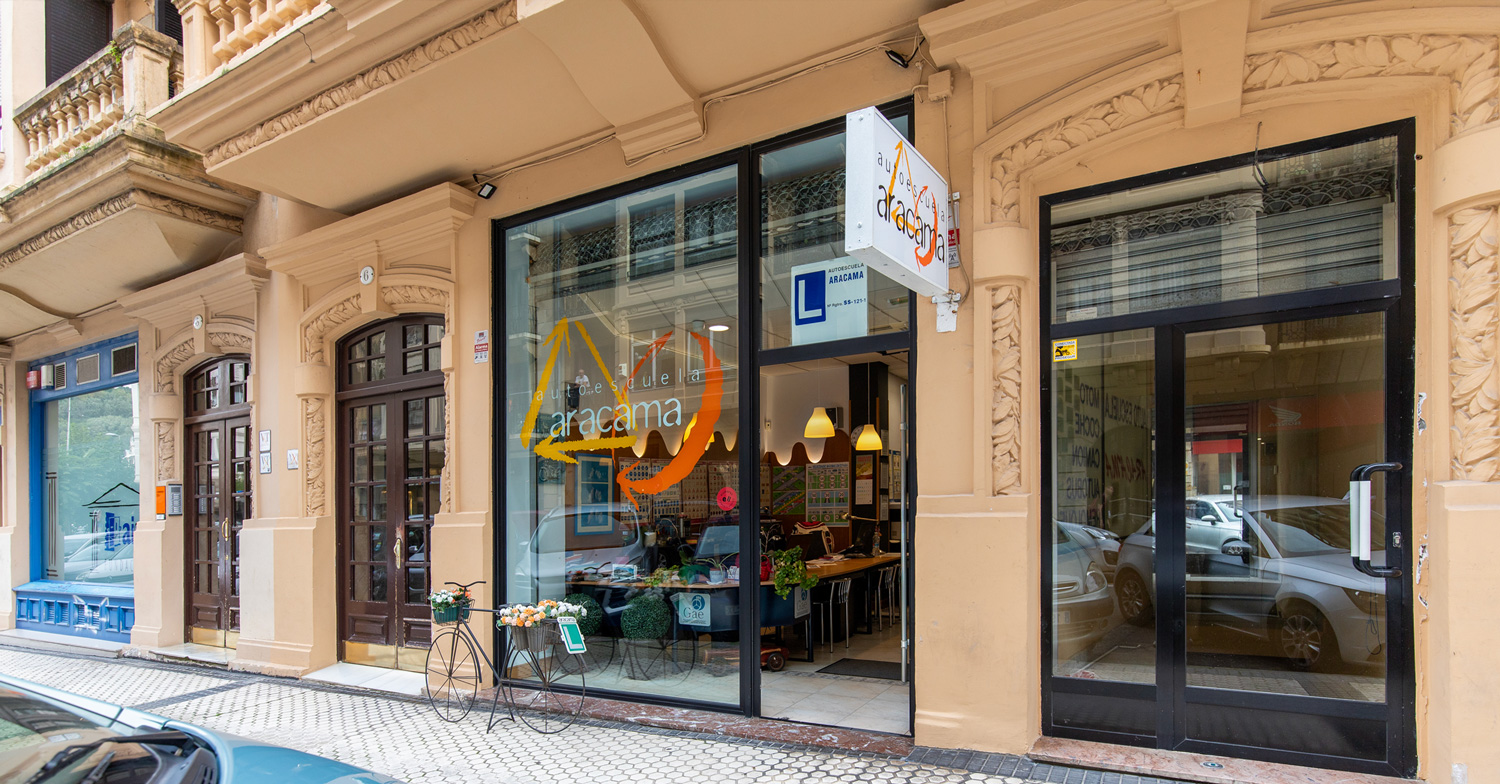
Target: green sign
{"points": [[571, 636]]}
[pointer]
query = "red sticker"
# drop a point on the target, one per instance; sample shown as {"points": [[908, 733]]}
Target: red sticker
{"points": [[728, 498]]}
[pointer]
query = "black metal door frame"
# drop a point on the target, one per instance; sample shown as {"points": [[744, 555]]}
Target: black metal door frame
{"points": [[1166, 700]]}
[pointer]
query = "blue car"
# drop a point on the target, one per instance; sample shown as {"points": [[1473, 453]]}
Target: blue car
{"points": [[49, 736]]}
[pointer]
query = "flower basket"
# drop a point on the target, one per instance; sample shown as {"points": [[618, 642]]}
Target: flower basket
{"points": [[449, 614], [533, 639]]}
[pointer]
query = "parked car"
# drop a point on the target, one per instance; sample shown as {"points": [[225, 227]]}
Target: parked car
{"points": [[1105, 545], [1081, 599], [53, 736], [1280, 572]]}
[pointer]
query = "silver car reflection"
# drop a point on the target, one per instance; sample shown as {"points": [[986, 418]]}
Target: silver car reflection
{"points": [[1081, 600], [1278, 571]]}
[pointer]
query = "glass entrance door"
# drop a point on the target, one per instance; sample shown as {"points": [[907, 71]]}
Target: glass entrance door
{"points": [[1230, 375], [218, 467]]}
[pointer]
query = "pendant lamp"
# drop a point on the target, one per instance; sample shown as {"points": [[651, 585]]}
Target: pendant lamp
{"points": [[818, 425], [869, 440]]}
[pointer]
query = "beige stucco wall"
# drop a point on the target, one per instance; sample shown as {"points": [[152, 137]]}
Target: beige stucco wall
{"points": [[1043, 105]]}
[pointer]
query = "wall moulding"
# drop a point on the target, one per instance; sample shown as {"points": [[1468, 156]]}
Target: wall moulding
{"points": [[1473, 324], [389, 72], [154, 202]]}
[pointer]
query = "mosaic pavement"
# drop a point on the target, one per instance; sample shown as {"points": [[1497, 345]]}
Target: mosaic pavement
{"points": [[401, 736]]}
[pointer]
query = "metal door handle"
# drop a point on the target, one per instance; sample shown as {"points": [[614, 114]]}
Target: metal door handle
{"points": [[400, 551], [226, 526], [1359, 519]]}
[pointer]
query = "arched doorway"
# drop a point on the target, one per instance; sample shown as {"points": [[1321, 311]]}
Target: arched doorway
{"points": [[218, 476], [391, 433]]}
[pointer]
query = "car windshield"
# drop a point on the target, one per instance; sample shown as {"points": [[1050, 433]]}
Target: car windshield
{"points": [[33, 731], [1307, 530]]}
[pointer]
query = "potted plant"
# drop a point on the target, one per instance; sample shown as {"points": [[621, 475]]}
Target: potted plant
{"points": [[593, 615], [532, 627], [788, 571], [449, 605], [646, 620]]}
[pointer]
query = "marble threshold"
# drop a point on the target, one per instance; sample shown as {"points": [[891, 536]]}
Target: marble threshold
{"points": [[1187, 766]]}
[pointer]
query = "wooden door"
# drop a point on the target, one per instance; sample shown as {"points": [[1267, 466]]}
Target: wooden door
{"points": [[392, 423], [218, 468]]}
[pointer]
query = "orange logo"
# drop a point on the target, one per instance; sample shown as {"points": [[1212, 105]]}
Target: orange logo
{"points": [[916, 232]]}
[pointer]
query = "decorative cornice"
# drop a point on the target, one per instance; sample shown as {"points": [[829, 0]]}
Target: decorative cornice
{"points": [[375, 78], [1471, 63], [1149, 100], [1473, 324], [113, 206], [1005, 406]]}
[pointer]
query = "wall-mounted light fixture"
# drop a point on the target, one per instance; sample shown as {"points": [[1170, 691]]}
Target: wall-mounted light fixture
{"points": [[486, 189]]}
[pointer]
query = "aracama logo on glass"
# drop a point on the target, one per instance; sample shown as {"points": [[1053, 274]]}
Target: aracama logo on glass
{"points": [[892, 207], [695, 441]]}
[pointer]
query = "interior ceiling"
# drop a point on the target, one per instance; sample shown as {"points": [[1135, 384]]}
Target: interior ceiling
{"points": [[510, 97]]}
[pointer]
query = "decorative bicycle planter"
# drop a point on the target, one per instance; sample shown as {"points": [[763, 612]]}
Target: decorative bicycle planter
{"points": [[446, 615]]}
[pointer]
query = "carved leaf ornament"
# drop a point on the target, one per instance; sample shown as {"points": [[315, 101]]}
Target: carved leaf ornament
{"points": [[1005, 350], [1143, 102], [1475, 375], [1469, 61]]}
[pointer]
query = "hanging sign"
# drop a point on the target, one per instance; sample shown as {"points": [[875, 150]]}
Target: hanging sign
{"points": [[897, 206], [572, 636]]}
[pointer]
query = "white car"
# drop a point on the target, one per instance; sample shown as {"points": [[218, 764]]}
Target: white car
{"points": [[1280, 571]]}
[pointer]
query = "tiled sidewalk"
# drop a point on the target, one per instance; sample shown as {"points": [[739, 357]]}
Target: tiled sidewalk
{"points": [[401, 736]]}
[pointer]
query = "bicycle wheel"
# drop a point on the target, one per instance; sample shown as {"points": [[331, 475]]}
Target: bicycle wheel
{"points": [[546, 688], [452, 675]]}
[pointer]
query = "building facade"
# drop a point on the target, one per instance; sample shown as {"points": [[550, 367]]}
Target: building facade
{"points": [[307, 309]]}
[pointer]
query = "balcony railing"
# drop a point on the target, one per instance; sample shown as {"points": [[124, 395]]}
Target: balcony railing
{"points": [[219, 31], [137, 72]]}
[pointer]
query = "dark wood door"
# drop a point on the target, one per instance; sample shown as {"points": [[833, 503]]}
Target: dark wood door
{"points": [[392, 423], [219, 465]]}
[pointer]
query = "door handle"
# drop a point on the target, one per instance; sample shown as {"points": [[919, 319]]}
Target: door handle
{"points": [[226, 528], [400, 551], [1359, 519]]}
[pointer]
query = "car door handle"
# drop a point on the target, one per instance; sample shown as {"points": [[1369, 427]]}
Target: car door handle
{"points": [[1359, 519]]}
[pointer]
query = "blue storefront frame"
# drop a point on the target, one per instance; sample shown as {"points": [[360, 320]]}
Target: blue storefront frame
{"points": [[93, 610]]}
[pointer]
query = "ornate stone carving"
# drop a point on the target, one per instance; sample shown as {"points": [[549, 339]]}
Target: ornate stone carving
{"points": [[1144, 102], [414, 295], [229, 341], [109, 207], [166, 450], [315, 426], [1005, 407], [1471, 62], [167, 364], [1474, 320], [315, 331], [386, 73], [447, 477]]}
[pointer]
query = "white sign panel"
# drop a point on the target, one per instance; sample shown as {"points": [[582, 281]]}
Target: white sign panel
{"points": [[830, 301], [897, 206], [692, 608]]}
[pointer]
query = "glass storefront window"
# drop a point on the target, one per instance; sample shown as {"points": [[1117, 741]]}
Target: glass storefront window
{"points": [[91, 496], [802, 233], [620, 431]]}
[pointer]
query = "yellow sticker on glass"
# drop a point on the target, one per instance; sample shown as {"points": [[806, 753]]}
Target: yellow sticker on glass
{"points": [[1065, 350]]}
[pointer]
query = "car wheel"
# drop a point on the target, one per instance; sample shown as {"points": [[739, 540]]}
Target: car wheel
{"points": [[1135, 601], [1305, 638]]}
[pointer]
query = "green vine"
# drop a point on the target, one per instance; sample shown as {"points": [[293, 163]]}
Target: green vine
{"points": [[788, 570], [114, 53]]}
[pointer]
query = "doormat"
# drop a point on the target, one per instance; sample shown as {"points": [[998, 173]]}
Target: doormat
{"points": [[864, 668]]}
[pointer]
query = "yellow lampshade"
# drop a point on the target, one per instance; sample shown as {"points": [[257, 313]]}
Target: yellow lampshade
{"points": [[869, 440], [687, 431], [818, 425]]}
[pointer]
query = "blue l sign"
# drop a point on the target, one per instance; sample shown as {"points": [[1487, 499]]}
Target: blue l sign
{"points": [[809, 298]]}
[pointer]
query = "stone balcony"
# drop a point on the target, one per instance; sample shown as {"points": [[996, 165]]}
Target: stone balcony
{"points": [[93, 179], [137, 72]]}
